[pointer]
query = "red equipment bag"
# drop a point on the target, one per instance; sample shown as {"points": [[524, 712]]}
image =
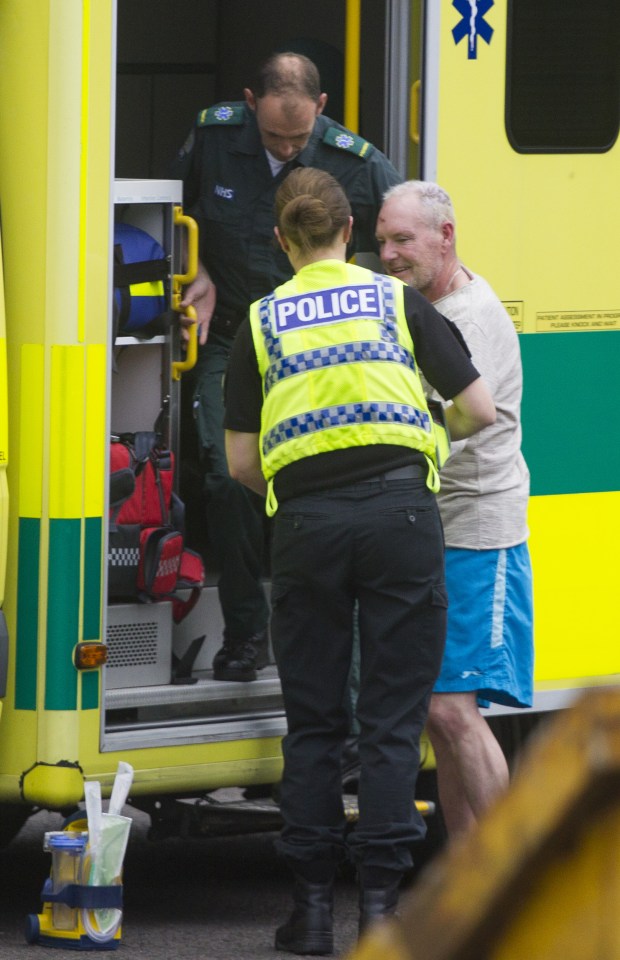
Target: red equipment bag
{"points": [[147, 559]]}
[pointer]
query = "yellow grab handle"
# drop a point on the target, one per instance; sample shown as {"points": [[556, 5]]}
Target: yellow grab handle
{"points": [[181, 219], [179, 367], [179, 280], [414, 111]]}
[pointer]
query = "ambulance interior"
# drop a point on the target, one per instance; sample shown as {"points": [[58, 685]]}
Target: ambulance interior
{"points": [[166, 72]]}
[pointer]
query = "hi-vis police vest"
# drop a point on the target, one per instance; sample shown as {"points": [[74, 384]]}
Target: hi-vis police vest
{"points": [[338, 368]]}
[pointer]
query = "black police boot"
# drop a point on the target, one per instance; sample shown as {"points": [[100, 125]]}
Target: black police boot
{"points": [[308, 930], [377, 903], [239, 659]]}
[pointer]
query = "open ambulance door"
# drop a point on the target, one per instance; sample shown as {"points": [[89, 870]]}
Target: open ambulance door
{"points": [[4, 490], [518, 118]]}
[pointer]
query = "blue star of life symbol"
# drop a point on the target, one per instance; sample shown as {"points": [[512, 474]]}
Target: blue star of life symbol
{"points": [[344, 140], [473, 24], [224, 113]]}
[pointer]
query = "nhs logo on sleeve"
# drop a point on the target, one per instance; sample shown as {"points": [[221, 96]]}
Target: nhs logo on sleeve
{"points": [[358, 302]]}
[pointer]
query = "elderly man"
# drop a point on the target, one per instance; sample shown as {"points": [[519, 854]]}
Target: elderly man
{"points": [[483, 504]]}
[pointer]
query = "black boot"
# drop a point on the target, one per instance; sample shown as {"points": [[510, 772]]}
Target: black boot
{"points": [[309, 927], [377, 903], [240, 658]]}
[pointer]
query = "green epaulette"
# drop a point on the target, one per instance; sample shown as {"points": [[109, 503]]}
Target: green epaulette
{"points": [[230, 114], [344, 140]]}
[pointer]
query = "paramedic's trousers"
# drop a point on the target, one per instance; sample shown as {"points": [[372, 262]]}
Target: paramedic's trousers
{"points": [[235, 516], [380, 542]]}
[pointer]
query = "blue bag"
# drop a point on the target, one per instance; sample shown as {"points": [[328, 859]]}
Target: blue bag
{"points": [[141, 270]]}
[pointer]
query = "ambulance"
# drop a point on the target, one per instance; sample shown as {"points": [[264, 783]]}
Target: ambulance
{"points": [[513, 106]]}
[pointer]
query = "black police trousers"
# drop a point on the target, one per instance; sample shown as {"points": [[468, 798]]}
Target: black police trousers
{"points": [[379, 542]]}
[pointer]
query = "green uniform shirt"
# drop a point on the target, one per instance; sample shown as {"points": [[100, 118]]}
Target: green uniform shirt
{"points": [[230, 190]]}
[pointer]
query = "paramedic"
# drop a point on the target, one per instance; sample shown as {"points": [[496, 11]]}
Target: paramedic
{"points": [[326, 416], [483, 504], [231, 166]]}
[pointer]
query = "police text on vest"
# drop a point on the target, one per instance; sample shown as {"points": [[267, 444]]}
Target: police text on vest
{"points": [[356, 302]]}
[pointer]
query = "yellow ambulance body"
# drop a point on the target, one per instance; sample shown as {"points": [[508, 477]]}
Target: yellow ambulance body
{"points": [[538, 224]]}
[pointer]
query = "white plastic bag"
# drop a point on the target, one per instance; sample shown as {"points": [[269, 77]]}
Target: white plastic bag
{"points": [[108, 837]]}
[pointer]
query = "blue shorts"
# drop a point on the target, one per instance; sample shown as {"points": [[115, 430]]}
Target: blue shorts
{"points": [[489, 646]]}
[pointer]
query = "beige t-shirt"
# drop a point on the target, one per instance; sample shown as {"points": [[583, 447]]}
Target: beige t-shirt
{"points": [[485, 483]]}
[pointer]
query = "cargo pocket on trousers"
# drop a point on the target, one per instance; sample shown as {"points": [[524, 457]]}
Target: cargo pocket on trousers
{"points": [[280, 612], [436, 625], [439, 596]]}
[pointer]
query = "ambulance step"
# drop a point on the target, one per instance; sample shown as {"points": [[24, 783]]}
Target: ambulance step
{"points": [[205, 690]]}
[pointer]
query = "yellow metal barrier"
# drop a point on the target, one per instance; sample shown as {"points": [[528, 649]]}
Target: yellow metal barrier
{"points": [[540, 876]]}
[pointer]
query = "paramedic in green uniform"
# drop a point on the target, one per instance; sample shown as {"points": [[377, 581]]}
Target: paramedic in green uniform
{"points": [[234, 160]]}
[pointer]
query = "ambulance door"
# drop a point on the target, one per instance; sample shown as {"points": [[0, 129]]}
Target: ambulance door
{"points": [[405, 91], [520, 118], [4, 490]]}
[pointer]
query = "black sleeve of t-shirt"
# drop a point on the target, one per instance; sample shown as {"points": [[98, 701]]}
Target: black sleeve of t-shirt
{"points": [[440, 349], [243, 392]]}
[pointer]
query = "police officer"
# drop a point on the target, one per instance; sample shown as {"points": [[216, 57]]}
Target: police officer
{"points": [[234, 160], [326, 416]]}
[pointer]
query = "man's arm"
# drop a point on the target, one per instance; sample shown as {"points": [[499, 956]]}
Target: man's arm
{"points": [[201, 292], [470, 410], [201, 295], [243, 458]]}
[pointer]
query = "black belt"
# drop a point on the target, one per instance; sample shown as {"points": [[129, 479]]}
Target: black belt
{"points": [[410, 471]]}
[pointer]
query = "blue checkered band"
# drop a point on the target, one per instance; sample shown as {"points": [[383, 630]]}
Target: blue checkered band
{"points": [[377, 350], [387, 349], [389, 305], [272, 343], [344, 415]]}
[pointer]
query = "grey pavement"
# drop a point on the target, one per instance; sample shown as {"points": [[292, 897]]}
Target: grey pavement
{"points": [[218, 898]]}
